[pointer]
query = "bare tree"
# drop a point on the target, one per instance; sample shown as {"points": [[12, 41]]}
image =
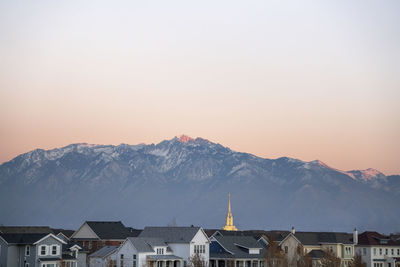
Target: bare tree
{"points": [[197, 261], [357, 261], [274, 256], [330, 260], [302, 258]]}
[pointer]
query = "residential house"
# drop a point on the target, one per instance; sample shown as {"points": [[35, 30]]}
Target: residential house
{"points": [[316, 243], [35, 250], [236, 251], [378, 250], [147, 251], [185, 242], [104, 257], [93, 235]]}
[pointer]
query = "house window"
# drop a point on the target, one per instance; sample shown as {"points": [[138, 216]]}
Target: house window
{"points": [[364, 251], [199, 249], [286, 249], [392, 251], [26, 264], [398, 251], [90, 244], [54, 250], [134, 260], [348, 250], [160, 251], [374, 251], [42, 250], [386, 252], [121, 262], [27, 250], [380, 251], [255, 263]]}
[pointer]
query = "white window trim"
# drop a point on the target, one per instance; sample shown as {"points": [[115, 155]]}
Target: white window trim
{"points": [[45, 250]]}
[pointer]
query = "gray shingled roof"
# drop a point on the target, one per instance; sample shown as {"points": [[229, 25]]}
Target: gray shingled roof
{"points": [[314, 238], [146, 244], [235, 244], [103, 252], [111, 230], [171, 234], [22, 238], [25, 230]]}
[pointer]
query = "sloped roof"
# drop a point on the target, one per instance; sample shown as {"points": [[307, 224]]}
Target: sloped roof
{"points": [[175, 234], [374, 238], [104, 251], [22, 238], [25, 230], [277, 235], [146, 244], [316, 254], [236, 245], [315, 238], [111, 230], [67, 233]]}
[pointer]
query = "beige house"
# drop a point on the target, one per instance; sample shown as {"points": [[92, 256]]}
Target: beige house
{"points": [[316, 243]]}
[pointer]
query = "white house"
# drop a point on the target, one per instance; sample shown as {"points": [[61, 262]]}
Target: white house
{"points": [[378, 250], [146, 251], [185, 242]]}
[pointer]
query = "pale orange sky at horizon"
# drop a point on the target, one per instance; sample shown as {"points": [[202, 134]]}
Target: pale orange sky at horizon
{"points": [[310, 80]]}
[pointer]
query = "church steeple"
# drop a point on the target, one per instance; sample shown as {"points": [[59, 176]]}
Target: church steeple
{"points": [[229, 217]]}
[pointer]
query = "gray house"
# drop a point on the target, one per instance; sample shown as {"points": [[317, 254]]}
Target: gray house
{"points": [[236, 251], [36, 250]]}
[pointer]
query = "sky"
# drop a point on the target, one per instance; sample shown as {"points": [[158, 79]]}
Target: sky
{"points": [[303, 79]]}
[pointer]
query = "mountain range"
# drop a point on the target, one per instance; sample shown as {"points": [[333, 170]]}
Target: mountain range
{"points": [[186, 181]]}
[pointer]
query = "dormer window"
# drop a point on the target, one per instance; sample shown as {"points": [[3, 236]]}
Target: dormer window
{"points": [[160, 251]]}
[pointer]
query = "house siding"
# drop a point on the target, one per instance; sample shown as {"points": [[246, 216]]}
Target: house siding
{"points": [[31, 259], [3, 253], [12, 256]]}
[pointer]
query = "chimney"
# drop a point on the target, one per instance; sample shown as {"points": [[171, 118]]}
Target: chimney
{"points": [[355, 236], [293, 231]]}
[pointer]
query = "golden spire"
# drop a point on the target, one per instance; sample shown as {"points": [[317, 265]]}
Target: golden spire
{"points": [[229, 217]]}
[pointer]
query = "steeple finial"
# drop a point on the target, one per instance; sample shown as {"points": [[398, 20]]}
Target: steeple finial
{"points": [[229, 203]]}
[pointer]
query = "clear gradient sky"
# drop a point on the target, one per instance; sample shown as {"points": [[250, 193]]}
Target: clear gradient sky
{"points": [[304, 79]]}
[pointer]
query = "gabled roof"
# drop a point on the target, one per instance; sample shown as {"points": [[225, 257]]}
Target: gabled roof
{"points": [[53, 236], [22, 238], [104, 252], [146, 244], [175, 234], [25, 230], [66, 233], [374, 238], [233, 247], [317, 238], [107, 230]]}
